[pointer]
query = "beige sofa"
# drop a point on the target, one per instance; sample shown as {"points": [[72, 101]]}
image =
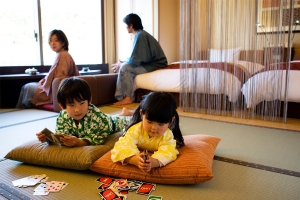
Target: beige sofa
{"points": [[102, 86]]}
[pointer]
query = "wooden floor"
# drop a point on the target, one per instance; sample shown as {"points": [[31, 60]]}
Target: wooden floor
{"points": [[290, 124]]}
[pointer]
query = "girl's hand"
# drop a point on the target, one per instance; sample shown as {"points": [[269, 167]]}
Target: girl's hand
{"points": [[41, 137], [138, 160], [145, 165]]}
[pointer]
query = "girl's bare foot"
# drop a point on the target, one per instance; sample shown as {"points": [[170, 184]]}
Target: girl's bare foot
{"points": [[126, 100], [126, 112]]}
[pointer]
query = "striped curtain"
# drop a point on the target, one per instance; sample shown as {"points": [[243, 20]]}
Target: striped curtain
{"points": [[223, 45]]}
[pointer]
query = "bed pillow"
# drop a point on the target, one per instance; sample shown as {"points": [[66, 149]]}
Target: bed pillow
{"points": [[224, 55], [251, 67], [78, 158], [193, 164]]}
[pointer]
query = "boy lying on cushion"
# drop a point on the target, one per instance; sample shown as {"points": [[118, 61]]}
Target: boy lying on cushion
{"points": [[81, 122]]}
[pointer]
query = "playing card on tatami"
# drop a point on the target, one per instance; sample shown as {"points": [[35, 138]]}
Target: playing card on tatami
{"points": [[40, 190], [29, 180], [54, 186]]}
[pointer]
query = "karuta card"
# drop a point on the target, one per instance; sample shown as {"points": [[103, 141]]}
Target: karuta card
{"points": [[134, 185], [145, 188], [54, 186], [105, 180], [108, 194], [121, 183], [115, 190], [155, 197]]}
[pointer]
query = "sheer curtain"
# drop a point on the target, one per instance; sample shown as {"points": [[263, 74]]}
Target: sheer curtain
{"points": [[223, 43]]}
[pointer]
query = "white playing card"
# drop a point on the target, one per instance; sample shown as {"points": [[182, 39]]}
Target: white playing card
{"points": [[44, 179], [29, 180], [64, 185], [40, 190], [54, 186]]}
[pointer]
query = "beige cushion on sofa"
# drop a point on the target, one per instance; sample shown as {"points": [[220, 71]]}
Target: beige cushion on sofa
{"points": [[78, 158], [193, 165]]}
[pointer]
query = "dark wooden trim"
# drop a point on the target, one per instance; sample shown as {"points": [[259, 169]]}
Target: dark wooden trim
{"points": [[45, 68], [11, 84]]}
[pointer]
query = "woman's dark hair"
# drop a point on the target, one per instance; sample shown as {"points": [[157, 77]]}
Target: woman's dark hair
{"points": [[159, 107], [135, 20], [73, 88], [61, 37]]}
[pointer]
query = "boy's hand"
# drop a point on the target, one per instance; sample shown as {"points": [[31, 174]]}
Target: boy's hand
{"points": [[41, 136], [72, 141]]}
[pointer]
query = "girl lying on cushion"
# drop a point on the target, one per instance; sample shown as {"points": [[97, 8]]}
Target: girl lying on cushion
{"points": [[150, 130], [81, 122]]}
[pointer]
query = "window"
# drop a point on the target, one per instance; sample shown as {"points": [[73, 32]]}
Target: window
{"points": [[25, 25], [146, 10]]}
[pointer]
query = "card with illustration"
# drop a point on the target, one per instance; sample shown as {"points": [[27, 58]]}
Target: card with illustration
{"points": [[146, 188], [155, 197]]}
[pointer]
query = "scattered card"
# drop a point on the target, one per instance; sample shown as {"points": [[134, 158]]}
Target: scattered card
{"points": [[40, 190], [121, 184], [103, 186], [108, 194], [64, 185], [145, 188], [54, 186], [155, 197], [105, 179], [29, 180]]}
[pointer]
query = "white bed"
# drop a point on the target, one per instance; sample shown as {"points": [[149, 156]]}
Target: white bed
{"points": [[222, 81], [269, 85]]}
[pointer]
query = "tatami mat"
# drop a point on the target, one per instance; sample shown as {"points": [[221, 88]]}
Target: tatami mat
{"points": [[13, 136], [230, 182], [22, 116], [265, 146]]}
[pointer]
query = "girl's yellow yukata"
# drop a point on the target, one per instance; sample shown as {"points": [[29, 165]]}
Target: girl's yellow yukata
{"points": [[136, 138]]}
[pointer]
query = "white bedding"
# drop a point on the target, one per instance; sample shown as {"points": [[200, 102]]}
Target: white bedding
{"points": [[168, 80], [270, 86]]}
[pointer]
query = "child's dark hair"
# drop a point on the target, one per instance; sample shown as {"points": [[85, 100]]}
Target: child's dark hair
{"points": [[73, 88], [61, 37], [159, 107]]}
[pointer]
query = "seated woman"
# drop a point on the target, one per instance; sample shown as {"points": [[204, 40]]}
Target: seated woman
{"points": [[64, 66]]}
